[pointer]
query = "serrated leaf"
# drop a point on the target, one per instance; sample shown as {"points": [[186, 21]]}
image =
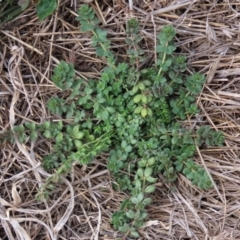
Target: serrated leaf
{"points": [[45, 8], [100, 51], [102, 35]]}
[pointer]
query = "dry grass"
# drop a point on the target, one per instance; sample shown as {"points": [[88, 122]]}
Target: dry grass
{"points": [[81, 206]]}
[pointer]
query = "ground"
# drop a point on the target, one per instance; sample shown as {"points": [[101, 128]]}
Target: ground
{"points": [[81, 207]]}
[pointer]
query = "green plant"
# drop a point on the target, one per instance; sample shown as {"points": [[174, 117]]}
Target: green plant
{"points": [[45, 8], [131, 113]]}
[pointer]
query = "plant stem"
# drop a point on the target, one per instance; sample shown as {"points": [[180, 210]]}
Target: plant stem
{"points": [[163, 60]]}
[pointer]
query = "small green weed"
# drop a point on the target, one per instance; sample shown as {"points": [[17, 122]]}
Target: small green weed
{"points": [[131, 113]]}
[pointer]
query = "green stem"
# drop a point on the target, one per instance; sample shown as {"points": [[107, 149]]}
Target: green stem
{"points": [[163, 60], [183, 99]]}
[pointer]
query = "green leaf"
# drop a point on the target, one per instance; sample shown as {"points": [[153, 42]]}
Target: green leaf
{"points": [[144, 99], [167, 34], [130, 214], [18, 129], [138, 98], [138, 184], [150, 189], [135, 89], [147, 201], [86, 26], [100, 52], [30, 125], [137, 199], [75, 129], [144, 112], [60, 125], [124, 144], [179, 167], [151, 161], [129, 41], [141, 86], [124, 228], [128, 148], [47, 134], [148, 172], [33, 135], [45, 8], [140, 197], [102, 35], [59, 137], [140, 172], [151, 179], [134, 234], [23, 4], [78, 143], [138, 109], [111, 109], [46, 124], [22, 138], [79, 135], [174, 140]]}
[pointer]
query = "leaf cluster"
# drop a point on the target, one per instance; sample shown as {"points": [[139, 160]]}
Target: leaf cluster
{"points": [[132, 114]]}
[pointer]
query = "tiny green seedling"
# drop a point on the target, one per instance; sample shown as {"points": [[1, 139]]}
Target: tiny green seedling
{"points": [[131, 113]]}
